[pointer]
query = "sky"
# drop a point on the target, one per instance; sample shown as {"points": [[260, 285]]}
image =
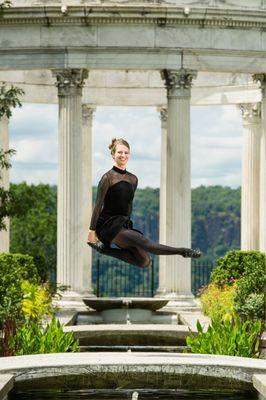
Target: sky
{"points": [[216, 140]]}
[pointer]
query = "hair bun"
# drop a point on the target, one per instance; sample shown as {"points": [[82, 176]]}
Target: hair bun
{"points": [[112, 144]]}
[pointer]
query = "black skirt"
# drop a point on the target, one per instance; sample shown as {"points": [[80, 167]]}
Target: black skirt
{"points": [[108, 228]]}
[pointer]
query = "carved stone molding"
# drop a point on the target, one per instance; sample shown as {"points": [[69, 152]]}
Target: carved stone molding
{"points": [[262, 79], [178, 82], [251, 112], [157, 17], [70, 81], [163, 114], [87, 111]]}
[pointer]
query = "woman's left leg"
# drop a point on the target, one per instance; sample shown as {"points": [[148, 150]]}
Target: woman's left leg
{"points": [[129, 238]]}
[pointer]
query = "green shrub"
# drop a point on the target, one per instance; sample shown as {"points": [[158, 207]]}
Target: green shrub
{"points": [[218, 303], [37, 300], [228, 268], [228, 337], [232, 266], [246, 269], [250, 293], [252, 307], [14, 269], [33, 338]]}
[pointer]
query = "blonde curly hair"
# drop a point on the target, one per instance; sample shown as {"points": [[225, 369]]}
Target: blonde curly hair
{"points": [[115, 142]]}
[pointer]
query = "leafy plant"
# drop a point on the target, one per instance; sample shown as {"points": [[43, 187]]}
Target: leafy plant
{"points": [[33, 338], [4, 194], [14, 269], [233, 265], [9, 98], [227, 337], [33, 225], [250, 294], [253, 306], [37, 300], [218, 303]]}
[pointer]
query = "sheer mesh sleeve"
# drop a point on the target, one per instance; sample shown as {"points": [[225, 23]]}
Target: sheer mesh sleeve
{"points": [[101, 192], [134, 184]]}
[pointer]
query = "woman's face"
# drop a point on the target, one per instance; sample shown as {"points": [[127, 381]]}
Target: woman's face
{"points": [[121, 155]]}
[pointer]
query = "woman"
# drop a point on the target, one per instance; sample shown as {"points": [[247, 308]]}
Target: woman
{"points": [[110, 221]]}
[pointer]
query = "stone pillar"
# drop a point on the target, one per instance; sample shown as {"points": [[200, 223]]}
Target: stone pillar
{"points": [[178, 183], [70, 232], [162, 289], [262, 210], [4, 182], [87, 118], [250, 191]]}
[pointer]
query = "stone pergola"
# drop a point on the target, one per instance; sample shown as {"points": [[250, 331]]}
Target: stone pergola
{"points": [[169, 54]]}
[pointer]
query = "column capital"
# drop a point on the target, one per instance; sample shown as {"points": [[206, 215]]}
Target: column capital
{"points": [[87, 111], [178, 82], [251, 112], [70, 81], [162, 113], [262, 79]]}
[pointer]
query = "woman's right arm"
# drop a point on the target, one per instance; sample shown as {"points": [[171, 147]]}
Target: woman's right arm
{"points": [[101, 192]]}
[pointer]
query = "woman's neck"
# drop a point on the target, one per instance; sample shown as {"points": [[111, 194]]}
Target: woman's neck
{"points": [[123, 168], [119, 170]]}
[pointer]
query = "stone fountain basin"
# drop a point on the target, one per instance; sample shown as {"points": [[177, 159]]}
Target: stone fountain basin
{"points": [[141, 303], [128, 310]]}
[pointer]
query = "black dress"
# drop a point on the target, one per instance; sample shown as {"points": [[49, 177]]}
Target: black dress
{"points": [[113, 205]]}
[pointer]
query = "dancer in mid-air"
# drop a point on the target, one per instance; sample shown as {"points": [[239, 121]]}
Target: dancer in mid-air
{"points": [[110, 221]]}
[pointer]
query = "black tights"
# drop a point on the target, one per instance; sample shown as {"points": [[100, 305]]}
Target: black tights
{"points": [[134, 247]]}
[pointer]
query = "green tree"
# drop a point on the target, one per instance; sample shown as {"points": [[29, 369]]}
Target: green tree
{"points": [[215, 220], [4, 194], [9, 99], [33, 225]]}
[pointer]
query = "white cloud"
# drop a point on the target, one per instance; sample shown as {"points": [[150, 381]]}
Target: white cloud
{"points": [[38, 176], [35, 150]]}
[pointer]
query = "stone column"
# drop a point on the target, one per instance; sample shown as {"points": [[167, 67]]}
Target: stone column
{"points": [[87, 118], [178, 183], [250, 191], [162, 289], [70, 232], [262, 210], [4, 182]]}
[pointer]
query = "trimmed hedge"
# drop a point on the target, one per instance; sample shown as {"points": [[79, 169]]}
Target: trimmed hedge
{"points": [[248, 268]]}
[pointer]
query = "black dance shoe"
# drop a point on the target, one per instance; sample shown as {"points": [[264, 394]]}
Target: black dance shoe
{"points": [[98, 246], [186, 253]]}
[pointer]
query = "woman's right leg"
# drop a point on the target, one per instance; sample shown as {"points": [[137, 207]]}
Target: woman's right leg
{"points": [[130, 255]]}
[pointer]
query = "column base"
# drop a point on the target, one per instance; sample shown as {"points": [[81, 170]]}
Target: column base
{"points": [[70, 300], [178, 300]]}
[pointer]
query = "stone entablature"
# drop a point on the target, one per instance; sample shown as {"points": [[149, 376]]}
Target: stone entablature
{"points": [[162, 15]]}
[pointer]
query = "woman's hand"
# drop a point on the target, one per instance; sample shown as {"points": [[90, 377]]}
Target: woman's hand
{"points": [[92, 237]]}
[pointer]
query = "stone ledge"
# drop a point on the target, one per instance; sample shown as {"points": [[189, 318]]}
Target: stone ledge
{"points": [[131, 334], [190, 319], [6, 384], [259, 382]]}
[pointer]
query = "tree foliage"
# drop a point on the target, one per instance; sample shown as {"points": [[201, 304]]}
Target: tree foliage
{"points": [[9, 99], [33, 225]]}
